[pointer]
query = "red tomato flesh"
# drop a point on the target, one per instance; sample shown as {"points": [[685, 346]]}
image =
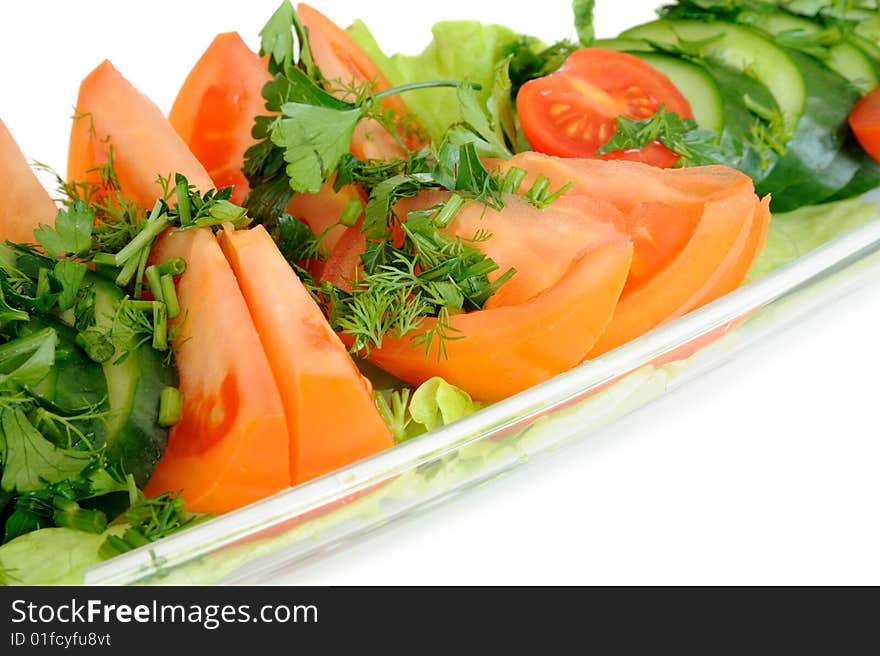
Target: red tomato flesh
{"points": [[572, 112], [865, 123], [25, 204], [215, 108]]}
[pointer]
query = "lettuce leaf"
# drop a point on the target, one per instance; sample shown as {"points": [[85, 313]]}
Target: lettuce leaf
{"points": [[793, 234], [436, 403], [461, 50], [52, 556]]}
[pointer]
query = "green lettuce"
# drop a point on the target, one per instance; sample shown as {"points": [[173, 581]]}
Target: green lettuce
{"points": [[52, 556], [793, 234], [461, 50]]}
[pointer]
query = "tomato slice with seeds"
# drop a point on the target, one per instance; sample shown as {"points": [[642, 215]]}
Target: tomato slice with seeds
{"points": [[572, 112]]}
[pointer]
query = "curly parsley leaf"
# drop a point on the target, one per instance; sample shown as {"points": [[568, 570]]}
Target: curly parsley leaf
{"points": [[682, 136]]}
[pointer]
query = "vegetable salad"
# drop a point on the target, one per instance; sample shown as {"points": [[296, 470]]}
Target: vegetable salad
{"points": [[325, 249]]}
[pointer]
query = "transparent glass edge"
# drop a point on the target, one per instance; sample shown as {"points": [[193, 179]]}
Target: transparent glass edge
{"points": [[841, 262]]}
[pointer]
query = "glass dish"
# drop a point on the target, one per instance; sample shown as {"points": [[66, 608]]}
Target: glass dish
{"points": [[323, 515]]}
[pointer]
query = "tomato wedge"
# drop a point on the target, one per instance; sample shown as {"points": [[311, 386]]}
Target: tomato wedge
{"points": [[345, 64], [215, 108], [321, 211], [231, 446], [110, 111], [696, 232], [331, 415], [548, 323], [572, 112], [865, 123], [214, 113], [25, 202]]}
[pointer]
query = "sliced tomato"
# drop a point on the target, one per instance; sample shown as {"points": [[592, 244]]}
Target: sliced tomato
{"points": [[562, 303], [572, 112], [321, 211], [506, 350], [331, 415], [541, 246], [111, 112], [694, 229], [865, 123], [231, 445], [344, 260], [25, 202], [215, 109], [345, 64]]}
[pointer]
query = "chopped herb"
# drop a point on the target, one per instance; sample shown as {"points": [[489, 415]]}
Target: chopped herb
{"points": [[681, 136]]}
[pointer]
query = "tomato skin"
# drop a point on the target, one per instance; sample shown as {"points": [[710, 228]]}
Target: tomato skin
{"points": [[231, 446], [696, 232], [112, 112], [572, 112], [215, 108], [331, 415], [25, 204], [865, 123]]}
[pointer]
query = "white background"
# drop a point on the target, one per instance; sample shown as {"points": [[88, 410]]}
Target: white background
{"points": [[765, 471]]}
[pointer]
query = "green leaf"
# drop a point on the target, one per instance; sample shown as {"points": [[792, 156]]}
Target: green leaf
{"points": [[460, 50], [475, 117], [276, 37], [793, 234], [500, 104], [583, 21], [9, 314], [72, 234], [30, 461], [27, 360], [314, 140], [70, 276]]}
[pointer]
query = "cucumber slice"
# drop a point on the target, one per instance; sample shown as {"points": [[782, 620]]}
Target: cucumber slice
{"points": [[695, 84], [815, 165], [134, 438], [844, 58], [741, 142], [737, 47], [624, 45]]}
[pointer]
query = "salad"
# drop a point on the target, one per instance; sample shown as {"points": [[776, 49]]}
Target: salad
{"points": [[325, 249]]}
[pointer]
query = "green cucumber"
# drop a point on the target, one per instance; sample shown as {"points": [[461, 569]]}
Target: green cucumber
{"points": [[134, 439], [815, 165], [624, 45], [695, 84], [737, 47], [844, 58], [740, 142]]}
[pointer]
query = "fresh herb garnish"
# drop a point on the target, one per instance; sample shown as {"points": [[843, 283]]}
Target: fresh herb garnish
{"points": [[682, 136]]}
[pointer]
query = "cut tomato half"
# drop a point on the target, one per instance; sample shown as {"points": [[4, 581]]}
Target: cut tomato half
{"points": [[331, 415], [25, 202], [572, 112], [231, 445], [215, 109], [110, 112]]}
